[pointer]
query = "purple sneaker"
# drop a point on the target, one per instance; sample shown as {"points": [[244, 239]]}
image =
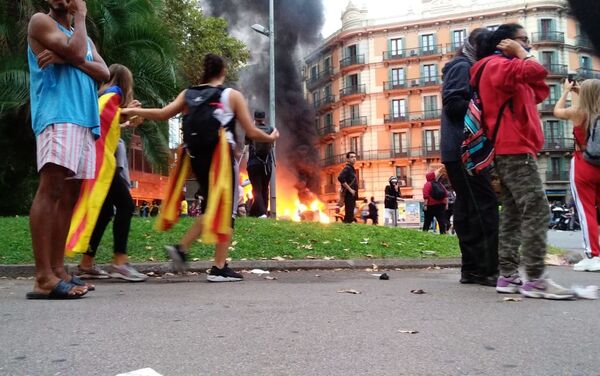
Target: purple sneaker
{"points": [[509, 285], [545, 288]]}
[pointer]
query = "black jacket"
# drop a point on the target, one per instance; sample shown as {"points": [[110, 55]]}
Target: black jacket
{"points": [[391, 197], [348, 175], [456, 93]]}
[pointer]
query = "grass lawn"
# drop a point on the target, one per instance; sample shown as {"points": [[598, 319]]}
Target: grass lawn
{"points": [[254, 239]]}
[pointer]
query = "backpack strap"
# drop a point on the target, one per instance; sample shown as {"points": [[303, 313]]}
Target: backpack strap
{"points": [[499, 118], [509, 102]]}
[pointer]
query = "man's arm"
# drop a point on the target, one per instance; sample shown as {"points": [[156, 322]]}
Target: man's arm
{"points": [[44, 34], [97, 68]]}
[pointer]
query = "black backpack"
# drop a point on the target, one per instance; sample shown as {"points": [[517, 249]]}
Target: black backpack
{"points": [[437, 191], [262, 150], [200, 125]]}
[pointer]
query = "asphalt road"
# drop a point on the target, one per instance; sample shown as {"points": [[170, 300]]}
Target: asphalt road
{"points": [[300, 325]]}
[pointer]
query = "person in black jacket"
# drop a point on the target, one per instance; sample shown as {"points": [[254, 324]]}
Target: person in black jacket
{"points": [[476, 207], [390, 203], [347, 179]]}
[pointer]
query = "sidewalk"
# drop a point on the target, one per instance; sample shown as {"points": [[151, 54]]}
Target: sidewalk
{"points": [[13, 271]]}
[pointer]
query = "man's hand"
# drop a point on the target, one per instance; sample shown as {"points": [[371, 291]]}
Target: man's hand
{"points": [[510, 48], [274, 135], [48, 57], [78, 8], [352, 192]]}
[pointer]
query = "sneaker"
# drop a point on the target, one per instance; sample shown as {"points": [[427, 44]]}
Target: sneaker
{"points": [[509, 285], [263, 216], [588, 265], [126, 272], [545, 288], [223, 275], [491, 281], [178, 257], [91, 273]]}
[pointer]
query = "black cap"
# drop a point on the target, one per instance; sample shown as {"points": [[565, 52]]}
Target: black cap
{"points": [[259, 114]]}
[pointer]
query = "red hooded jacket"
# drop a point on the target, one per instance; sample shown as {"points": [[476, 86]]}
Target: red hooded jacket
{"points": [[522, 80], [427, 191]]}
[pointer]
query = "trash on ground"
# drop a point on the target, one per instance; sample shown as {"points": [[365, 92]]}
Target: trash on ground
{"points": [[270, 278], [377, 274], [369, 255], [195, 259], [329, 258], [418, 291], [587, 292], [259, 271], [512, 299], [408, 331], [430, 253], [278, 258], [349, 291], [556, 260], [384, 277], [141, 372], [168, 274], [150, 274], [317, 275]]}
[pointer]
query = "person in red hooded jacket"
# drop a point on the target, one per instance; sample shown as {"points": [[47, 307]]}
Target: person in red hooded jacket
{"points": [[434, 206], [512, 84]]}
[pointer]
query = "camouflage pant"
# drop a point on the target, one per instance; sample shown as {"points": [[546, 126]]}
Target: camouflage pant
{"points": [[524, 216]]}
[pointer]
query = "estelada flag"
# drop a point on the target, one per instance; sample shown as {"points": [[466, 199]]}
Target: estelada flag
{"points": [[171, 204], [93, 191]]}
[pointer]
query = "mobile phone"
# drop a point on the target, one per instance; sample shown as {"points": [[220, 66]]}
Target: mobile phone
{"points": [[570, 78]]}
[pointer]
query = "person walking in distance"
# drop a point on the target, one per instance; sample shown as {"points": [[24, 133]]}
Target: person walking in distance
{"points": [[373, 211], [118, 202], [475, 211], [511, 85], [436, 203], [260, 167], [64, 72], [390, 202], [585, 174], [347, 179], [229, 108]]}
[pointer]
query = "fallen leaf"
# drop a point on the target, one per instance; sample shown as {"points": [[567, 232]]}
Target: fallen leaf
{"points": [[375, 268], [417, 291], [317, 275], [195, 259], [349, 291], [430, 253], [368, 255], [270, 278], [384, 244], [259, 271], [408, 331], [148, 247], [326, 242], [512, 299], [150, 274], [234, 243], [310, 257], [150, 258], [278, 258], [329, 258], [168, 274]]}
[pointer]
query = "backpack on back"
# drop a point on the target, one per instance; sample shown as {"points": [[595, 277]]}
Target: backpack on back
{"points": [[201, 125], [592, 149], [263, 149], [477, 149], [438, 192]]}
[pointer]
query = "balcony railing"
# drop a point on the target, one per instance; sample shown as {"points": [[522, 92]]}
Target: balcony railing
{"points": [[351, 90], [319, 78], [353, 122], [426, 81], [453, 47], [549, 104], [326, 130], [412, 52], [394, 85], [352, 60], [548, 36], [386, 155], [329, 99], [557, 176], [559, 144], [412, 83], [583, 41], [395, 118], [586, 73], [556, 69], [430, 50], [394, 54], [429, 151], [412, 116]]}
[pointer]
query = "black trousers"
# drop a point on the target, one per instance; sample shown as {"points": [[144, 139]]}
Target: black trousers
{"points": [[118, 198], [349, 206], [437, 211], [476, 220], [260, 177]]}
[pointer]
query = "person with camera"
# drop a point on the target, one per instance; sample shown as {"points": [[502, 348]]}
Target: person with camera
{"points": [[390, 203]]}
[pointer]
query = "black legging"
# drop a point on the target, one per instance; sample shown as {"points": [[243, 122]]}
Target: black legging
{"points": [[118, 198], [260, 176]]}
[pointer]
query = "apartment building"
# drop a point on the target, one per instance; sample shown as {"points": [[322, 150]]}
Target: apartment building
{"points": [[147, 183], [376, 88]]}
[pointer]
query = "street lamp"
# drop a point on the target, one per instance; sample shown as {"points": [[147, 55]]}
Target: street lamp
{"points": [[270, 33]]}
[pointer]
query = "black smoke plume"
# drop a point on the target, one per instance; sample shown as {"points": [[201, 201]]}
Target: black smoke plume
{"points": [[297, 29]]}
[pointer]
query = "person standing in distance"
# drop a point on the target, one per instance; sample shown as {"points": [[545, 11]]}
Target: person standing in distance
{"points": [[347, 179], [64, 72], [260, 167]]}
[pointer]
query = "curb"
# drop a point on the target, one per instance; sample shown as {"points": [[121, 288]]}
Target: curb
{"points": [[28, 270]]}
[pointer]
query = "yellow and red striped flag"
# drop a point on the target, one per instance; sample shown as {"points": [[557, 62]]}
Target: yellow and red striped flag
{"points": [[171, 204]]}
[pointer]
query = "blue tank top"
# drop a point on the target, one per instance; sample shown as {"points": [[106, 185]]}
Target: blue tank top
{"points": [[61, 93]]}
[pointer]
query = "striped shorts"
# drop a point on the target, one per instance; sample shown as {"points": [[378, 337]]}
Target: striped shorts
{"points": [[70, 146]]}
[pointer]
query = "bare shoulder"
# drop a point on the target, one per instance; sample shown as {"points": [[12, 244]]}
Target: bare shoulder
{"points": [[39, 21]]}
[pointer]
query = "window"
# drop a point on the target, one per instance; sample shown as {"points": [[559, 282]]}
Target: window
{"points": [[546, 26], [402, 174], [398, 76], [432, 140], [355, 145], [430, 104], [313, 72], [548, 58], [429, 73], [458, 37], [327, 91], [586, 62], [327, 64], [556, 166], [351, 51], [492, 27], [554, 93], [399, 143], [553, 130], [328, 120], [427, 43], [354, 112], [396, 47], [316, 98], [399, 108], [329, 152]]}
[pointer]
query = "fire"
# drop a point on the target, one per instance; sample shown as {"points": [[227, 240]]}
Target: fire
{"points": [[245, 183]]}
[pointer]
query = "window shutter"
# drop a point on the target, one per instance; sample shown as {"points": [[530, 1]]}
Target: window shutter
{"points": [[389, 48], [435, 47]]}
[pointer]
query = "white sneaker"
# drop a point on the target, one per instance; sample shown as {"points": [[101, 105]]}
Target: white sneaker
{"points": [[263, 216], [588, 265]]}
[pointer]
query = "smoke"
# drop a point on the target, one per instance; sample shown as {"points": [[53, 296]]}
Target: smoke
{"points": [[297, 28]]}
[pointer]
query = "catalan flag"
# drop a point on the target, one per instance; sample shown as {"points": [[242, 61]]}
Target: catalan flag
{"points": [[93, 192], [170, 206]]}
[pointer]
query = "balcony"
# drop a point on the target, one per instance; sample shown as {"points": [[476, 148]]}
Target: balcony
{"points": [[321, 77], [548, 37], [582, 41], [557, 176], [430, 152], [556, 69], [352, 90], [395, 85], [412, 116], [430, 50], [326, 130], [547, 106], [360, 121], [352, 60], [559, 144], [585, 73], [451, 48], [427, 81], [333, 160], [324, 103], [395, 55], [395, 118]]}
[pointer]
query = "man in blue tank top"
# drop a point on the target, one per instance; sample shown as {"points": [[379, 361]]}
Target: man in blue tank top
{"points": [[65, 70]]}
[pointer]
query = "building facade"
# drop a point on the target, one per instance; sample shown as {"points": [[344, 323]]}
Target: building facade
{"points": [[375, 86]]}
